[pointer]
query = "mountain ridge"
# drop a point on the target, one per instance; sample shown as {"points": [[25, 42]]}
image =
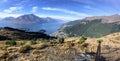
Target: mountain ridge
{"points": [[32, 22], [97, 26]]}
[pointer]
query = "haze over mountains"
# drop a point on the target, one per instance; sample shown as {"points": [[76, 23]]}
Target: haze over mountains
{"points": [[96, 26], [32, 22]]}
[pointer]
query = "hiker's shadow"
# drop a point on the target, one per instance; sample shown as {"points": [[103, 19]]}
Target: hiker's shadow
{"points": [[98, 56]]}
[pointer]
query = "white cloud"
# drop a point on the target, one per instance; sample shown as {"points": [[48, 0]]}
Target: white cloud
{"points": [[34, 9], [65, 11], [3, 15], [67, 18], [12, 9], [88, 7]]}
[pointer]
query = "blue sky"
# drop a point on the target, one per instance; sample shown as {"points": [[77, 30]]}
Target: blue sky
{"points": [[60, 9]]}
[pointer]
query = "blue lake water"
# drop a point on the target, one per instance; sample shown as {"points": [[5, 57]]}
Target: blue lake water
{"points": [[49, 27]]}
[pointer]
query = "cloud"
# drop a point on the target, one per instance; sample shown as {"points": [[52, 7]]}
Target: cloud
{"points": [[12, 9], [88, 7], [85, 1], [63, 17], [3, 15], [65, 11], [34, 9]]}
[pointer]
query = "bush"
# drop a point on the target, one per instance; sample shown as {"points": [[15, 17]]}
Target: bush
{"points": [[100, 41], [34, 39], [23, 43], [11, 42], [82, 40], [35, 52], [24, 49], [41, 46], [4, 54], [61, 40], [68, 44], [85, 45], [45, 41], [32, 42]]}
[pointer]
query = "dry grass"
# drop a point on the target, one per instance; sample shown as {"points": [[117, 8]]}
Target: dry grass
{"points": [[60, 52]]}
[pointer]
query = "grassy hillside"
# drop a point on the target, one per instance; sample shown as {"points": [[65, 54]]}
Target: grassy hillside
{"points": [[54, 50], [94, 28]]}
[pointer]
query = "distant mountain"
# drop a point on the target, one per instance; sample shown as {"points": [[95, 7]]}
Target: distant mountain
{"points": [[32, 22], [96, 26], [7, 19], [27, 19]]}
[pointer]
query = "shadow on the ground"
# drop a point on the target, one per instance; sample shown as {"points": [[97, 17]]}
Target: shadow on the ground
{"points": [[98, 56]]}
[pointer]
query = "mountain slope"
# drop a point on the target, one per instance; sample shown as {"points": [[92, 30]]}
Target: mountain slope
{"points": [[27, 19], [11, 33], [91, 27]]}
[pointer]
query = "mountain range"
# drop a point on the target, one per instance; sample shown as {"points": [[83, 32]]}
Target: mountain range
{"points": [[32, 22], [96, 26]]}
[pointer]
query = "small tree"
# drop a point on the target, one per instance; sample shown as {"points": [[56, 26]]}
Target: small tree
{"points": [[82, 40]]}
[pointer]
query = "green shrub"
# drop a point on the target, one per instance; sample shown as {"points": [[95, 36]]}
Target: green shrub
{"points": [[99, 40], [45, 41], [85, 45], [23, 43], [82, 40], [24, 49], [61, 40], [11, 42], [34, 39], [41, 46], [32, 42]]}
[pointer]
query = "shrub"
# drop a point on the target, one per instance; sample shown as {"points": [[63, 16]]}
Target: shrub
{"points": [[24, 49], [32, 42], [100, 41], [82, 40], [23, 43], [85, 45], [4, 54], [45, 41], [61, 40], [11, 42], [41, 46], [35, 52], [68, 44], [34, 39]]}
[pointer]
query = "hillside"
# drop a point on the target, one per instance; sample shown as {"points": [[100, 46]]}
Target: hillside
{"points": [[11, 33], [67, 51], [97, 26]]}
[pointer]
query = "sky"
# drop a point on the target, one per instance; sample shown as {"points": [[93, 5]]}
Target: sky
{"points": [[59, 9]]}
